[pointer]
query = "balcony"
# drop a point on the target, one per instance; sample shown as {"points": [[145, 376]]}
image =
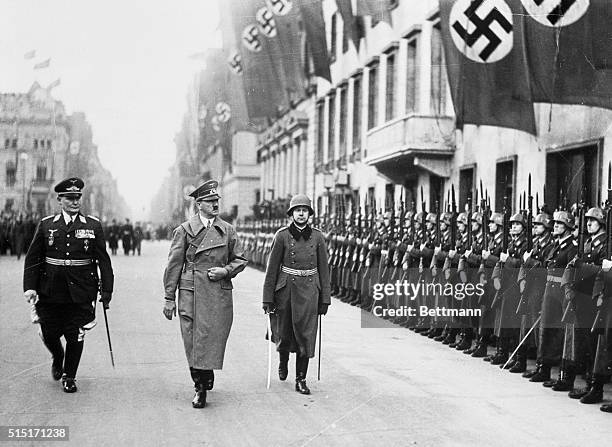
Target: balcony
{"points": [[423, 141], [42, 187]]}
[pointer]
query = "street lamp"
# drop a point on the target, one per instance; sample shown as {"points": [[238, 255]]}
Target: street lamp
{"points": [[23, 157]]}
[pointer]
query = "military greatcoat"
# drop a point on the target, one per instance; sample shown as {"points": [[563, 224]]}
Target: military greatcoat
{"points": [[205, 307], [297, 298]]}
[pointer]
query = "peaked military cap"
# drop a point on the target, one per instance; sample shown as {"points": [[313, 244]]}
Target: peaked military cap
{"points": [[206, 191], [70, 186]]}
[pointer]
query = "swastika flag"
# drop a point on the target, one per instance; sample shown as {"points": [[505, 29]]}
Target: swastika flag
{"points": [[486, 63], [565, 53]]}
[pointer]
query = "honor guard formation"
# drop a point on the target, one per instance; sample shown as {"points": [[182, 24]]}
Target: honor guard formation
{"points": [[544, 278]]}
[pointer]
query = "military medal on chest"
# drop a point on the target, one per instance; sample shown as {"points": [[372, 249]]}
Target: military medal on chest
{"points": [[51, 237], [86, 244]]}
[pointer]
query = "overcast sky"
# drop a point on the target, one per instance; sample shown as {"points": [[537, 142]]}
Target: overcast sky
{"points": [[124, 63]]}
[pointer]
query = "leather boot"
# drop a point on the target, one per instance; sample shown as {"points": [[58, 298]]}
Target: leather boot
{"points": [[541, 374], [607, 408], [434, 333], [458, 341], [450, 338], [208, 379], [480, 351], [57, 368], [442, 335], [595, 394], [567, 377], [500, 357], [199, 399], [283, 369], [520, 366], [300, 384], [69, 384], [465, 344], [578, 393], [427, 332]]}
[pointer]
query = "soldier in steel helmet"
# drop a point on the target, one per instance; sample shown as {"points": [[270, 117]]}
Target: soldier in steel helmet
{"points": [[532, 276], [564, 250], [297, 289], [585, 284]]}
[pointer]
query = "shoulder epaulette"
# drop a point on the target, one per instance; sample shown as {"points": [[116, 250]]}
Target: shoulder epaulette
{"points": [[281, 229], [48, 217], [93, 217]]}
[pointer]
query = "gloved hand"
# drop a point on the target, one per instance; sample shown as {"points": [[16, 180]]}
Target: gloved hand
{"points": [[169, 309], [269, 308], [31, 296], [606, 265], [217, 273], [105, 298], [323, 308], [503, 257]]}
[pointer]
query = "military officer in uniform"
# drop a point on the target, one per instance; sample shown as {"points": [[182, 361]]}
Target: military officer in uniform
{"points": [[204, 257], [61, 278], [297, 289]]}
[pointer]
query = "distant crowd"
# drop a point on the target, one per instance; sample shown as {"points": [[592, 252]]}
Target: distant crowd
{"points": [[17, 231]]}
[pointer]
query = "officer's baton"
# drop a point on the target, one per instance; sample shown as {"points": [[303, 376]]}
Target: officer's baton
{"points": [[522, 341], [269, 350], [110, 346], [319, 366]]}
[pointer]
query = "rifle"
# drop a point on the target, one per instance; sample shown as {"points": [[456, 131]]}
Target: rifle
{"points": [[529, 216], [438, 231], [453, 224], [505, 231], [569, 315], [469, 221]]}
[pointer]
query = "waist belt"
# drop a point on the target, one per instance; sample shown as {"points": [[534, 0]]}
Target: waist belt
{"points": [[68, 262], [553, 278], [295, 272]]}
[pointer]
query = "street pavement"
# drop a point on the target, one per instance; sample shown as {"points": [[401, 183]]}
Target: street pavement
{"points": [[384, 386]]}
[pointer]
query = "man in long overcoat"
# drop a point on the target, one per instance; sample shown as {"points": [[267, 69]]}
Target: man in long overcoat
{"points": [[204, 256], [297, 289]]}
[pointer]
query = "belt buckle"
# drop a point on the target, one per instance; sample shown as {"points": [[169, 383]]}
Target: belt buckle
{"points": [[302, 272], [67, 261]]}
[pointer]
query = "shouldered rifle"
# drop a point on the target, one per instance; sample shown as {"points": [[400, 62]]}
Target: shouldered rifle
{"points": [[469, 221], [438, 231], [453, 224], [569, 315], [529, 216]]}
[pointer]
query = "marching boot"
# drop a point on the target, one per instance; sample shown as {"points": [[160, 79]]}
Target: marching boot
{"points": [[497, 351], [520, 365], [607, 408], [442, 335], [480, 351], [435, 332], [450, 338], [199, 399], [578, 393], [458, 341], [208, 379], [57, 367], [301, 368], [69, 384], [541, 374], [356, 298], [300, 384], [567, 380], [595, 394], [550, 382], [427, 331], [466, 343], [501, 356], [283, 369]]}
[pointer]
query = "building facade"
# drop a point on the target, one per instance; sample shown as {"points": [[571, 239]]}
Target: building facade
{"points": [[34, 141]]}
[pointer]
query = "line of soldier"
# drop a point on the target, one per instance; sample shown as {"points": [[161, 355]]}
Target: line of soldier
{"points": [[546, 279], [16, 232]]}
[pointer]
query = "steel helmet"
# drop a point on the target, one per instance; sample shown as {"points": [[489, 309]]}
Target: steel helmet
{"points": [[300, 200]]}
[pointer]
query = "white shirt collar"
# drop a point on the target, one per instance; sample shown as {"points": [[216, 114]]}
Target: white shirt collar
{"points": [[205, 220], [68, 218]]}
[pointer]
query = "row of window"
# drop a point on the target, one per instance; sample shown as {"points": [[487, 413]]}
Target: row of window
{"points": [[11, 173], [437, 100], [36, 143]]}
